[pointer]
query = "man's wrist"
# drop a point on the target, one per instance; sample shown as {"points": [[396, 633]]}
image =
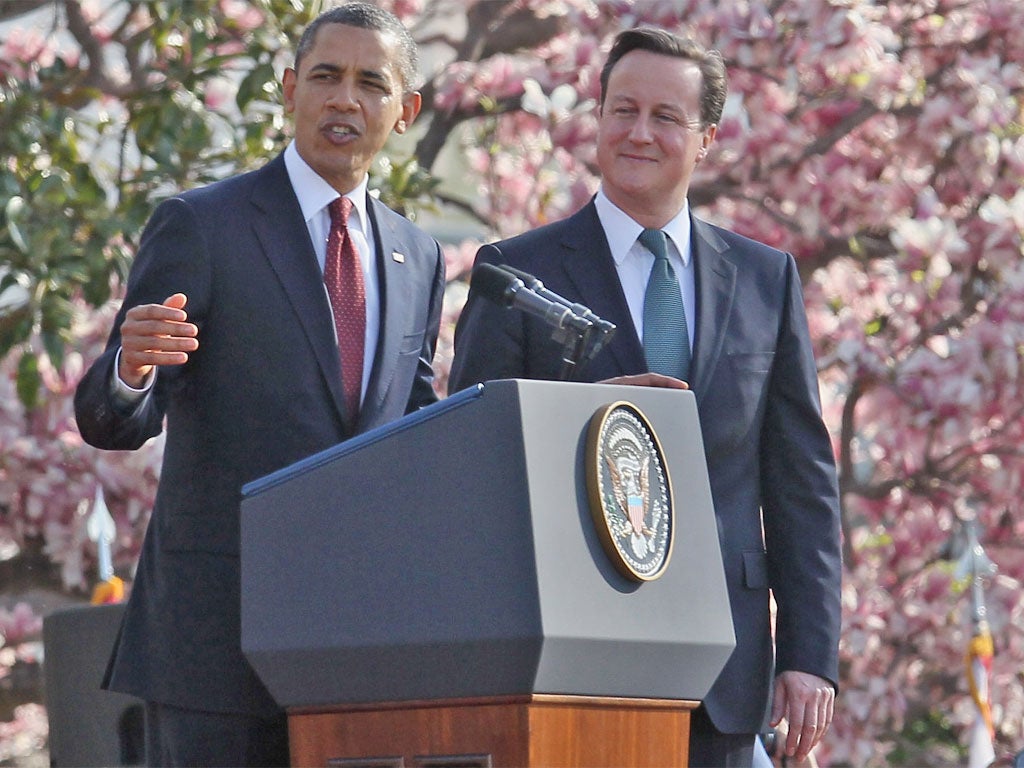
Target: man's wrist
{"points": [[124, 393]]}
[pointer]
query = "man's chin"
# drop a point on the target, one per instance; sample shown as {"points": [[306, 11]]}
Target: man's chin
{"points": [[340, 171]]}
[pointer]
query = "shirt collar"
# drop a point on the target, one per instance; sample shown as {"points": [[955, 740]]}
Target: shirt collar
{"points": [[622, 231], [315, 194]]}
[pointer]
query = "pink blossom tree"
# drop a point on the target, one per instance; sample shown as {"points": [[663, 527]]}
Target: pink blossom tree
{"points": [[882, 144]]}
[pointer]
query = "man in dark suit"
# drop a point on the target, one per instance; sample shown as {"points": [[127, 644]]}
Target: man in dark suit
{"points": [[228, 332], [739, 337]]}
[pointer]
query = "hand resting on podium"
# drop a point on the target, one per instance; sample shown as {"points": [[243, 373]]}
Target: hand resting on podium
{"points": [[647, 380]]}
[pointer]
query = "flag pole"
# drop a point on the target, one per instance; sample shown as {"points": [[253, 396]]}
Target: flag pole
{"points": [[101, 529], [975, 566]]}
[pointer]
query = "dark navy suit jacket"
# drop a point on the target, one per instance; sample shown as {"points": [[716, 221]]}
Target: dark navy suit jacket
{"points": [[263, 391], [769, 455]]}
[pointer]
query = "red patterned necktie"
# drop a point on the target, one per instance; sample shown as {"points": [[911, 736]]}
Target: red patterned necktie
{"points": [[343, 276]]}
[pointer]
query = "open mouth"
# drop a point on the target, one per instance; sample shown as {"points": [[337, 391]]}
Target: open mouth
{"points": [[340, 131]]}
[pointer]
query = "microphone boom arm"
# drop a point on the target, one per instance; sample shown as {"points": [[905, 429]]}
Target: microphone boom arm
{"points": [[595, 337], [579, 332]]}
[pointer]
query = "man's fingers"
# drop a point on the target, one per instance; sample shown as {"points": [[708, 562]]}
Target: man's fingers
{"points": [[153, 355], [172, 311], [176, 301], [157, 342], [807, 734], [795, 734], [647, 380], [815, 722], [827, 710], [160, 327], [156, 334], [807, 703]]}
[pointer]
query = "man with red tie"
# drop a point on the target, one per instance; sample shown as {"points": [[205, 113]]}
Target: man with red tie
{"points": [[268, 317]]}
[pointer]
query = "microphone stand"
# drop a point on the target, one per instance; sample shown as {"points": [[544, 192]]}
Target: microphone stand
{"points": [[579, 332], [588, 333], [580, 345], [573, 341]]}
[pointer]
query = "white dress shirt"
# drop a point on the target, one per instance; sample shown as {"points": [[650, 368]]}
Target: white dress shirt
{"points": [[634, 262], [314, 196]]}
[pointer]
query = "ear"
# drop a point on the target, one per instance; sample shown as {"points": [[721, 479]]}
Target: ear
{"points": [[705, 141], [411, 104], [288, 81]]}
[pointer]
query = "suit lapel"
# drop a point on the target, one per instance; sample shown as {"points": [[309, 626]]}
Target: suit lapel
{"points": [[590, 268], [392, 254], [285, 239], [716, 285]]}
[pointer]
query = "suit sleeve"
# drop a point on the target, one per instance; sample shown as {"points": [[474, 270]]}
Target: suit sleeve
{"points": [[800, 502], [172, 258]]}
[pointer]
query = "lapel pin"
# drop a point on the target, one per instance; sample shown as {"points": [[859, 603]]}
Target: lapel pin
{"points": [[399, 257]]}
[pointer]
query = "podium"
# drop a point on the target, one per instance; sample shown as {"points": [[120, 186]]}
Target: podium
{"points": [[438, 593]]}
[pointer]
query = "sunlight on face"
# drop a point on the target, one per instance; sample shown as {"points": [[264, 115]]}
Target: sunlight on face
{"points": [[346, 99], [649, 134]]}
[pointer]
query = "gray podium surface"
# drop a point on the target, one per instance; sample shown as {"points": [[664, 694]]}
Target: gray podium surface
{"points": [[453, 555]]}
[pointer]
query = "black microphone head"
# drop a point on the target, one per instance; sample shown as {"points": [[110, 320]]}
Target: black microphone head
{"points": [[494, 283], [529, 280]]}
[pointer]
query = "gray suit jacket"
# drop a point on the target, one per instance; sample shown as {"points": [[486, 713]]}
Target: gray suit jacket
{"points": [[263, 391], [769, 456]]}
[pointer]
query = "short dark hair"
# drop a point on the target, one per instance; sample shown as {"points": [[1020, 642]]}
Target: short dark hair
{"points": [[712, 67], [367, 16]]}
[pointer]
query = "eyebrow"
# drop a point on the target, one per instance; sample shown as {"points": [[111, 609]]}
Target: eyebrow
{"points": [[371, 74], [661, 106]]}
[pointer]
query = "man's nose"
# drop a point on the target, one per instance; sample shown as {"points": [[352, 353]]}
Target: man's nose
{"points": [[342, 96], [640, 131]]}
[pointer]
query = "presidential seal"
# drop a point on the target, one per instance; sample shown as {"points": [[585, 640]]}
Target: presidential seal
{"points": [[629, 491]]}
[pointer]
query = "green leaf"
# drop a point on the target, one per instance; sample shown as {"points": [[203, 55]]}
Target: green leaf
{"points": [[13, 211], [54, 344], [29, 380], [252, 85]]}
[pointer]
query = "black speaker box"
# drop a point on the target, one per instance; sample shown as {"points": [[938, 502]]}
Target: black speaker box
{"points": [[88, 726]]}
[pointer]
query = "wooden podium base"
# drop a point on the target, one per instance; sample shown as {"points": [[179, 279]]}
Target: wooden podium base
{"points": [[536, 731]]}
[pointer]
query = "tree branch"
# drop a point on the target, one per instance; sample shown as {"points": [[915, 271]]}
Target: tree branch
{"points": [[12, 9], [492, 30]]}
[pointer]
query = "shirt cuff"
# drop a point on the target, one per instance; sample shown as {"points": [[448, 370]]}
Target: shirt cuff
{"points": [[124, 394]]}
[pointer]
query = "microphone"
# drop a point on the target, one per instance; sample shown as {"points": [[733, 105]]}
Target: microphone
{"points": [[504, 288], [537, 287]]}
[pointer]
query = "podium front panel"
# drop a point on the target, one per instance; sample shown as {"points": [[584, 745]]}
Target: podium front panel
{"points": [[453, 555]]}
